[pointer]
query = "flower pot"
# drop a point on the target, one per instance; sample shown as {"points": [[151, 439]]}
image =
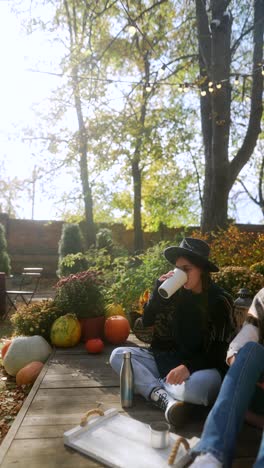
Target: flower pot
{"points": [[92, 327]]}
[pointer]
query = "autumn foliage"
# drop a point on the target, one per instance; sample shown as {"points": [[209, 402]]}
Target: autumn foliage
{"points": [[234, 247]]}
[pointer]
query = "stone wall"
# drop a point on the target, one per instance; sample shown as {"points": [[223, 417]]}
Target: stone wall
{"points": [[35, 243]]}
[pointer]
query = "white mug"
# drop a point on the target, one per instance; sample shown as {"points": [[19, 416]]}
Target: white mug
{"points": [[173, 283]]}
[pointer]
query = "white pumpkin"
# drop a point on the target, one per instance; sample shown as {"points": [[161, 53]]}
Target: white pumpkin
{"points": [[23, 350]]}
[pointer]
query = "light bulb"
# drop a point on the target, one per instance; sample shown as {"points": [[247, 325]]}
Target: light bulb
{"points": [[210, 89], [180, 88], [218, 85], [148, 88], [236, 82], [210, 84], [131, 30], [203, 92], [186, 87]]}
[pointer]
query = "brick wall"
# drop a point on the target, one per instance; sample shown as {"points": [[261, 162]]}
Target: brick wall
{"points": [[35, 243]]}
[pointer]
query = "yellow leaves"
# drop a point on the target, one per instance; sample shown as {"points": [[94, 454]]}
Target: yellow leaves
{"points": [[143, 299]]}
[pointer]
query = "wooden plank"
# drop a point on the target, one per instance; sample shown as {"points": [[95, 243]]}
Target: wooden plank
{"points": [[73, 383], [43, 432], [45, 453], [20, 416]]}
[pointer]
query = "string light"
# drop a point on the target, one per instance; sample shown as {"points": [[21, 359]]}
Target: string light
{"points": [[182, 87], [148, 88], [131, 30]]}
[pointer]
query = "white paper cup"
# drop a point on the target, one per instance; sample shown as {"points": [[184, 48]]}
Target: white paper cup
{"points": [[159, 435], [172, 284]]}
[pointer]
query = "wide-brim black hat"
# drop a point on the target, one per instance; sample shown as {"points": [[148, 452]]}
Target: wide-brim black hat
{"points": [[191, 248]]}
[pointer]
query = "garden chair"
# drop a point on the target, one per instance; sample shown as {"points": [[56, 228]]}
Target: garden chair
{"points": [[30, 277]]}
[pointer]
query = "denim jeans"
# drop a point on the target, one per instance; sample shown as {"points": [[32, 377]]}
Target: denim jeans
{"points": [[226, 417], [201, 388]]}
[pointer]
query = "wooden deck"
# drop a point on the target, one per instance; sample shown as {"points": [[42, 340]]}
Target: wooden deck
{"points": [[71, 383]]}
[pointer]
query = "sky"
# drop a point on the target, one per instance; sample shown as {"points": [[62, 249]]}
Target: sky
{"points": [[20, 89]]}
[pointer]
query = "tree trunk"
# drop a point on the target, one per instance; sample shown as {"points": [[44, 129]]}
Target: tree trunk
{"points": [[138, 233], [83, 163], [215, 58]]}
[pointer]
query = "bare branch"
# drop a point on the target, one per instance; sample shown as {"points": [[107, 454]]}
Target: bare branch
{"points": [[255, 200]]}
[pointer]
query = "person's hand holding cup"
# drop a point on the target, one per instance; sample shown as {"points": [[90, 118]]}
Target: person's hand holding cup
{"points": [[172, 281]]}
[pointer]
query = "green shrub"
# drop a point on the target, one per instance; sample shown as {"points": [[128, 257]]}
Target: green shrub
{"points": [[104, 239], [72, 263], [71, 242], [5, 265], [130, 276], [258, 267], [234, 278], [36, 318]]}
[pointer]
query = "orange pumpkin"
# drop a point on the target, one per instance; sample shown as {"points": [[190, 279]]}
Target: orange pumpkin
{"points": [[5, 348], [28, 374], [116, 329]]}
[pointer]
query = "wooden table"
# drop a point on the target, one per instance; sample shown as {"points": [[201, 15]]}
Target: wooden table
{"points": [[71, 383]]}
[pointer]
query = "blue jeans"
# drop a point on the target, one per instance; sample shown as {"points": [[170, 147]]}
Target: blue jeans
{"points": [[226, 417], [201, 388]]}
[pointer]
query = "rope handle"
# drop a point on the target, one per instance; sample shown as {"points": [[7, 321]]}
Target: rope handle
{"points": [[175, 448], [89, 413]]}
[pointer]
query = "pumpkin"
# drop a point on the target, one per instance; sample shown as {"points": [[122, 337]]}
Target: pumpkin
{"points": [[94, 345], [28, 374], [116, 329], [66, 331], [114, 309], [5, 348], [23, 350]]}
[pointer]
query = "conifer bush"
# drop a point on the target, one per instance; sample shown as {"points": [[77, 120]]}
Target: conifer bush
{"points": [[5, 265], [71, 242]]}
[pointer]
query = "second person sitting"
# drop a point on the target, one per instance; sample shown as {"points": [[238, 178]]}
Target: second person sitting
{"points": [[192, 331]]}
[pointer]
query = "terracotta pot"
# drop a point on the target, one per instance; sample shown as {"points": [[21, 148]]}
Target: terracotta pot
{"points": [[92, 327]]}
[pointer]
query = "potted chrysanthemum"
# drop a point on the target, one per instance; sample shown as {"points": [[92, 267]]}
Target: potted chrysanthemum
{"points": [[81, 294]]}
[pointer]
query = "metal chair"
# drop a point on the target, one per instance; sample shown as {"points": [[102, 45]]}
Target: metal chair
{"points": [[30, 277]]}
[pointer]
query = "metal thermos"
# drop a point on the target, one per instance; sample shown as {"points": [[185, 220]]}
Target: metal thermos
{"points": [[126, 381]]}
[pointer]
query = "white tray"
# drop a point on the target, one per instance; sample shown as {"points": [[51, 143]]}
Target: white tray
{"points": [[122, 442]]}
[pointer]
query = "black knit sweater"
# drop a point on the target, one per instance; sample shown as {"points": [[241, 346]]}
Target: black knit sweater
{"points": [[190, 329]]}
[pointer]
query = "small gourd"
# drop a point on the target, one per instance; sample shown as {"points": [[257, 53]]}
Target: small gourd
{"points": [[28, 374]]}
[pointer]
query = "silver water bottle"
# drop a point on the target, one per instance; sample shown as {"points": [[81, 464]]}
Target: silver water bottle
{"points": [[126, 381]]}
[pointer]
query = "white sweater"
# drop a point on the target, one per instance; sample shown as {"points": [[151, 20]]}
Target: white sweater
{"points": [[248, 331]]}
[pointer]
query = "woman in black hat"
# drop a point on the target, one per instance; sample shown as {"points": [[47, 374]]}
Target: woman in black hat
{"points": [[192, 330]]}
